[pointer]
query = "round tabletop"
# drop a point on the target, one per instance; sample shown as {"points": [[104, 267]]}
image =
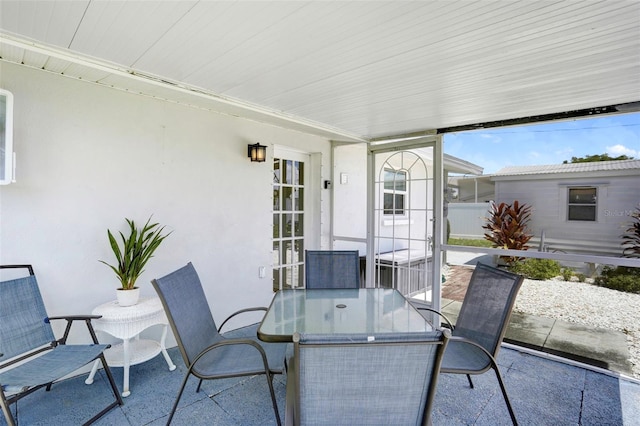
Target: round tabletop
{"points": [[125, 322]]}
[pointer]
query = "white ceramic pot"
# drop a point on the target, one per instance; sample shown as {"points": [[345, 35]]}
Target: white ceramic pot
{"points": [[128, 297]]}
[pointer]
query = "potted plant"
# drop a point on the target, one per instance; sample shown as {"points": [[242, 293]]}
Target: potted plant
{"points": [[137, 248]]}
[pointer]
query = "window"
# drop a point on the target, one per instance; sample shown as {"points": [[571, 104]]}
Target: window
{"points": [[395, 191], [582, 204]]}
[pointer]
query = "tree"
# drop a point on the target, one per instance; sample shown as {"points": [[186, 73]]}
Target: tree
{"points": [[597, 157]]}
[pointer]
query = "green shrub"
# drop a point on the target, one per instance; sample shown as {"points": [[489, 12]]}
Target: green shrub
{"points": [[567, 273], [537, 269], [621, 278], [581, 277]]}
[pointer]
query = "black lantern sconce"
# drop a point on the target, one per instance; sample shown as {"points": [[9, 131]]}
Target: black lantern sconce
{"points": [[257, 152]]}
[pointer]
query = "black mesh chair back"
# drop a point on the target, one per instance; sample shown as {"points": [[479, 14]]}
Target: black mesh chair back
{"points": [[482, 322], [486, 309], [332, 269], [207, 353], [188, 311]]}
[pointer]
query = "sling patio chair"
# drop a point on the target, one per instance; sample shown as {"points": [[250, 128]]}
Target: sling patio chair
{"points": [[206, 352], [364, 379], [332, 269], [30, 355], [482, 322]]}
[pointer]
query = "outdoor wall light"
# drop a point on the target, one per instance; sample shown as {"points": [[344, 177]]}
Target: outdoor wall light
{"points": [[257, 152]]}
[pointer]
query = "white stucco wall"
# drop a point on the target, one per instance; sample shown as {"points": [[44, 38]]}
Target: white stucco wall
{"points": [[350, 196], [89, 156]]}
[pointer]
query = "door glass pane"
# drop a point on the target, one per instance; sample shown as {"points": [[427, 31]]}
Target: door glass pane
{"points": [[300, 272], [300, 180], [287, 198], [286, 253], [299, 225], [276, 198], [276, 253], [287, 225], [276, 170], [288, 277], [298, 203], [288, 172], [276, 226], [299, 249]]}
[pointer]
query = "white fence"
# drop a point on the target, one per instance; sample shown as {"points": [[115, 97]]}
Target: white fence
{"points": [[467, 219]]}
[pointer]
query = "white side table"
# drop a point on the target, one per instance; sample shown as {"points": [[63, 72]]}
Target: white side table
{"points": [[127, 323]]}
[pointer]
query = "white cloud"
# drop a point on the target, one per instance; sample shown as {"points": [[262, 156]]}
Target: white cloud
{"points": [[491, 137], [617, 150]]}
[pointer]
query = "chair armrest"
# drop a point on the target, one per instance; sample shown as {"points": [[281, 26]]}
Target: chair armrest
{"points": [[477, 345], [228, 342], [74, 317], [241, 311], [439, 313], [70, 319]]}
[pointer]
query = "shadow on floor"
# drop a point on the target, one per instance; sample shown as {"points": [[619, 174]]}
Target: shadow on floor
{"points": [[542, 391]]}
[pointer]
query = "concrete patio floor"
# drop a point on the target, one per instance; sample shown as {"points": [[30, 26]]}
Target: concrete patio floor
{"points": [[543, 392]]}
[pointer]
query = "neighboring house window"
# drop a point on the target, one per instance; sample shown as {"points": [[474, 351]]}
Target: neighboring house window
{"points": [[395, 191], [582, 204]]}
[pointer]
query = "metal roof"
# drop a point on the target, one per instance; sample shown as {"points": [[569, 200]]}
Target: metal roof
{"points": [[590, 167], [348, 70]]}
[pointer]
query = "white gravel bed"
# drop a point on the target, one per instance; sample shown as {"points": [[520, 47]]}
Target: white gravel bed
{"points": [[586, 304]]}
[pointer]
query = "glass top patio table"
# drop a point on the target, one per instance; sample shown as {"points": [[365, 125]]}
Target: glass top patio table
{"points": [[336, 311]]}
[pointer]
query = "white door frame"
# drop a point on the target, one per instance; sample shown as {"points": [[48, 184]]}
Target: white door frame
{"points": [[438, 215]]}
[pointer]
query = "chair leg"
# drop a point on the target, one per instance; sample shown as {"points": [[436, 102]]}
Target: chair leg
{"points": [[504, 393], [289, 406], [470, 382], [112, 381], [175, 404], [273, 398], [6, 409], [114, 389]]}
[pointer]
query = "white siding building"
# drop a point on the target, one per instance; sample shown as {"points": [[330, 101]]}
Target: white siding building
{"points": [[580, 207]]}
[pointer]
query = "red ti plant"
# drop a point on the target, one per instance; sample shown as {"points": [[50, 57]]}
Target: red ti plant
{"points": [[507, 227], [631, 238]]}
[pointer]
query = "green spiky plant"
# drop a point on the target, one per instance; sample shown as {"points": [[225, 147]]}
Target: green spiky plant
{"points": [[137, 248], [631, 237], [507, 227]]}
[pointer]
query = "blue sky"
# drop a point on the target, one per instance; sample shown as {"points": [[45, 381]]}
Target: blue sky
{"points": [[549, 143]]}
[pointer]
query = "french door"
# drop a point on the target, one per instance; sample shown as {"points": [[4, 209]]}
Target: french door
{"points": [[290, 175]]}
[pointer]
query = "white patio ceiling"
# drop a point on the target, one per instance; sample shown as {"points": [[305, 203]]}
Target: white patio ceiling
{"points": [[348, 70]]}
